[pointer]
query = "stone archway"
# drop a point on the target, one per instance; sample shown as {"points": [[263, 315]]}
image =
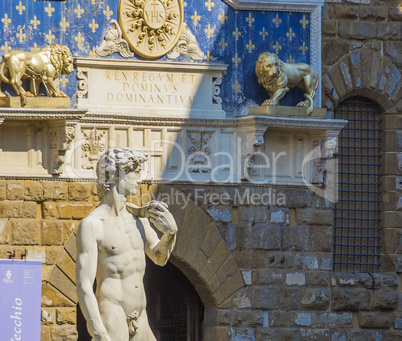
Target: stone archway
{"points": [[200, 253], [363, 72]]}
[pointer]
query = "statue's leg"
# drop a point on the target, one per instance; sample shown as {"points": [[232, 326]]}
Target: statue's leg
{"points": [[3, 70], [277, 95], [114, 320], [144, 332]]}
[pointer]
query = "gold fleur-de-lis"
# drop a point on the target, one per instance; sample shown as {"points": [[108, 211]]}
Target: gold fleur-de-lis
{"points": [[184, 4], [209, 4], [236, 87], [79, 11], [290, 34], [236, 33], [6, 20], [108, 12], [21, 36], [277, 20], [6, 48], [223, 17], [63, 81], [195, 18], [304, 22], [263, 33], [208, 57], [64, 24], [35, 23], [79, 39], [49, 10], [93, 2], [35, 48], [50, 37], [290, 60], [304, 48], [93, 53], [236, 60], [277, 47], [250, 20], [209, 31], [223, 44], [93, 25], [20, 8], [250, 46]]}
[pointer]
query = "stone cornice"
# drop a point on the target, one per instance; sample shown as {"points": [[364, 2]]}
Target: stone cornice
{"points": [[101, 118], [41, 114], [291, 123], [276, 5]]}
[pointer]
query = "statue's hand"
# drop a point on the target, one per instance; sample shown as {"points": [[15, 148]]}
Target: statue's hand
{"points": [[160, 216]]}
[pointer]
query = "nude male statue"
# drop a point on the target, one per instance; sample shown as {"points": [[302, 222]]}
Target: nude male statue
{"points": [[111, 246]]}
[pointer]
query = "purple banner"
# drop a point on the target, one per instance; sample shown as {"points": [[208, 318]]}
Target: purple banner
{"points": [[20, 300]]}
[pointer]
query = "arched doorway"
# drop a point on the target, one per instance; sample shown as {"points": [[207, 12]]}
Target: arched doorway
{"points": [[175, 311]]}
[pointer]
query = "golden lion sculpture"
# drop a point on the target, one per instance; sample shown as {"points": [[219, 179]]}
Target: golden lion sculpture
{"points": [[278, 77], [43, 66]]}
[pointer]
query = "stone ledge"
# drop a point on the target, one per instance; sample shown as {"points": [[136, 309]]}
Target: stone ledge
{"points": [[42, 102], [285, 111]]}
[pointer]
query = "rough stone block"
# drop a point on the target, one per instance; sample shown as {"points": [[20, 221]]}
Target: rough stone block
{"points": [[352, 29], [374, 320], [389, 31], [295, 278], [329, 27], [384, 299], [247, 318], [66, 315], [45, 333], [395, 13], [391, 219], [55, 190], [34, 191], [51, 297], [64, 333], [296, 238], [322, 238], [80, 191], [266, 237], [3, 190], [345, 299], [346, 12], [47, 316], [265, 297], [314, 217], [333, 49], [334, 74], [15, 190], [303, 319], [393, 50], [317, 279], [315, 299], [290, 298], [373, 12], [25, 232]]}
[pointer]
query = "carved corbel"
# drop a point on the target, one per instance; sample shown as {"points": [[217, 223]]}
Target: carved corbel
{"points": [[61, 137], [251, 140], [325, 150]]}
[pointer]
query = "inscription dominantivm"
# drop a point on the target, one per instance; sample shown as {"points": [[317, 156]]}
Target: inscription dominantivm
{"points": [[151, 27]]}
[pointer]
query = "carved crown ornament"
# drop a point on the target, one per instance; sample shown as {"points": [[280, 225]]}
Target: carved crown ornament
{"points": [[151, 27]]}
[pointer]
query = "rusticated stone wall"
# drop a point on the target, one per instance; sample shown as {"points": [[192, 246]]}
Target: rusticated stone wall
{"points": [[263, 268], [375, 24]]}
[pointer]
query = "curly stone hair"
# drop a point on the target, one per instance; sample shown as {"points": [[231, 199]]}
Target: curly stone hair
{"points": [[112, 163]]}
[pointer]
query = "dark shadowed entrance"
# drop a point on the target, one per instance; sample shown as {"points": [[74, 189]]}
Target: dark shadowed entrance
{"points": [[175, 311]]}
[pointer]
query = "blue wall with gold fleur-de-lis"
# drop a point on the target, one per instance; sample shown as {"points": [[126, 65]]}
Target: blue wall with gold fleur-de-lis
{"points": [[225, 36]]}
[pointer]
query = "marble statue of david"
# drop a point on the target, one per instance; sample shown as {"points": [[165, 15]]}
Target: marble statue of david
{"points": [[111, 245]]}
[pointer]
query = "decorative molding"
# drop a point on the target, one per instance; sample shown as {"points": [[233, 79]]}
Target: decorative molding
{"points": [[42, 114], [113, 42], [91, 148], [82, 77], [216, 90], [187, 46], [275, 5], [199, 151]]}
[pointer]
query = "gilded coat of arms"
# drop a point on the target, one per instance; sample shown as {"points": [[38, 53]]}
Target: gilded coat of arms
{"points": [[151, 27]]}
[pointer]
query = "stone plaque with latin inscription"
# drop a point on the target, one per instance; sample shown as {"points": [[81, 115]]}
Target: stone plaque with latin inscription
{"points": [[150, 89]]}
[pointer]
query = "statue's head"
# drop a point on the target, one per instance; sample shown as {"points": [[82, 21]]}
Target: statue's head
{"points": [[120, 167]]}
